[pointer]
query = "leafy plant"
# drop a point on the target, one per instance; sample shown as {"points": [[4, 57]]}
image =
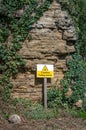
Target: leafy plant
{"points": [[54, 97], [4, 33], [75, 77]]}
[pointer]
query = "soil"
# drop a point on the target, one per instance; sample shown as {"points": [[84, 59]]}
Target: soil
{"points": [[63, 122]]}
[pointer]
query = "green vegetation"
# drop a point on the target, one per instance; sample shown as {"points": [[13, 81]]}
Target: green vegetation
{"points": [[55, 98], [38, 112], [57, 101], [28, 109], [32, 110], [78, 113], [75, 78]]}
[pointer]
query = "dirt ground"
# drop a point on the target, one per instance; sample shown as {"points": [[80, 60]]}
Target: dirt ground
{"points": [[64, 123]]}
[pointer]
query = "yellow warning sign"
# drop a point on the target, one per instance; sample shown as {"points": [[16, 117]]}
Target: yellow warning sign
{"points": [[45, 71]]}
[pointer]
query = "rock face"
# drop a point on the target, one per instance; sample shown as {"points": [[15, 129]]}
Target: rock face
{"points": [[53, 38]]}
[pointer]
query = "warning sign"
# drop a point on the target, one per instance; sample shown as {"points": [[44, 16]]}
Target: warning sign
{"points": [[45, 71]]}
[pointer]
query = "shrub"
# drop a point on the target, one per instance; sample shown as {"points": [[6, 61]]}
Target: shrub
{"points": [[75, 78], [54, 97]]}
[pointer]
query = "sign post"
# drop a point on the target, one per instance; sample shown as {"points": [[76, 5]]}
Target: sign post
{"points": [[45, 93], [45, 71]]}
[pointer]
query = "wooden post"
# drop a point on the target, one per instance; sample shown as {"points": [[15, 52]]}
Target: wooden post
{"points": [[45, 93]]}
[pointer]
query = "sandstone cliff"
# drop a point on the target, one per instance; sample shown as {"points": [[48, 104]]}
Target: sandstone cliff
{"points": [[53, 38]]}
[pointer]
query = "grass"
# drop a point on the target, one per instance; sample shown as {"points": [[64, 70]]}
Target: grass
{"points": [[77, 113], [33, 110], [37, 112]]}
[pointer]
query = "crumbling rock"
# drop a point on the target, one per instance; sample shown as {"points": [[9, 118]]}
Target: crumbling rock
{"points": [[53, 38]]}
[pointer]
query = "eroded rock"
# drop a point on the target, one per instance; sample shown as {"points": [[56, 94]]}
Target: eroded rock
{"points": [[53, 38]]}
